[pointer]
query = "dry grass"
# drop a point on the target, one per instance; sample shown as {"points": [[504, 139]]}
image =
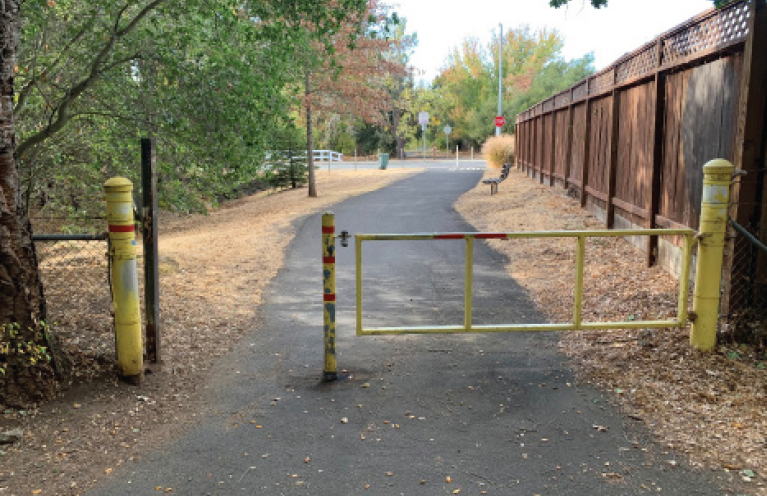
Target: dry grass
{"points": [[213, 271], [499, 150], [709, 406]]}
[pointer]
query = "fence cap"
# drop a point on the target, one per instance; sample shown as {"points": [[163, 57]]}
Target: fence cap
{"points": [[718, 166], [118, 184]]}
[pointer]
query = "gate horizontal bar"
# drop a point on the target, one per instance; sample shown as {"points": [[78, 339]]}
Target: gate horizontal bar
{"points": [[585, 326], [70, 237], [530, 234]]}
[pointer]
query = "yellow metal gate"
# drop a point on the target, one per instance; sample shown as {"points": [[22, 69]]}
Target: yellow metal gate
{"points": [[711, 240], [580, 253]]}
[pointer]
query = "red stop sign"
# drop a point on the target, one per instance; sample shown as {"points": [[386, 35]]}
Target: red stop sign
{"points": [[500, 121]]}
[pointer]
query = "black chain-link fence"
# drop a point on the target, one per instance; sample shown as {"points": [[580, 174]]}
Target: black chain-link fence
{"points": [[745, 312], [75, 273]]}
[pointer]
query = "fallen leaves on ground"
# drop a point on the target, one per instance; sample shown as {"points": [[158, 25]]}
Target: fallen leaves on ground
{"points": [[213, 269], [709, 406]]}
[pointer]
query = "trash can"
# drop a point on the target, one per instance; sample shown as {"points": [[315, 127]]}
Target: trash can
{"points": [[383, 160]]}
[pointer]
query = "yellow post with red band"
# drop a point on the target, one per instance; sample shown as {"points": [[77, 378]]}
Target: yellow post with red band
{"points": [[124, 276], [712, 234], [330, 371]]}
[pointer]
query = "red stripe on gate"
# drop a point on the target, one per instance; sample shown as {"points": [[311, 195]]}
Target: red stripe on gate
{"points": [[329, 297], [491, 236], [449, 236], [330, 260], [120, 229], [328, 229]]}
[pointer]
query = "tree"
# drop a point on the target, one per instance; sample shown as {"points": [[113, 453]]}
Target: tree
{"points": [[205, 79], [23, 376], [350, 75], [533, 69], [75, 59]]}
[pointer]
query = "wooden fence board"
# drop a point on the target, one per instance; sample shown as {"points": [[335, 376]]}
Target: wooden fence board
{"points": [[701, 118], [600, 144], [634, 166], [578, 142], [548, 139], [560, 142]]}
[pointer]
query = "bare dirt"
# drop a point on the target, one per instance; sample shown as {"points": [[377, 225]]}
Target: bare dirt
{"points": [[710, 406], [214, 269]]}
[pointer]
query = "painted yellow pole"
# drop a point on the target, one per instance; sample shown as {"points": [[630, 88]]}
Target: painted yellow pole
{"points": [[330, 371], [467, 289], [358, 265], [580, 259], [711, 236], [130, 361]]}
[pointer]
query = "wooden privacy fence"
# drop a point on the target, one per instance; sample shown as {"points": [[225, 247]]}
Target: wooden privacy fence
{"points": [[631, 140]]}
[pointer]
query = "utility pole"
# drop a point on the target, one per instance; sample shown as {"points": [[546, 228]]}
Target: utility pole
{"points": [[500, 77]]}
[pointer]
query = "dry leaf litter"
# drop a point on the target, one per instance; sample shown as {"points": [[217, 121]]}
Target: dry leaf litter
{"points": [[213, 269], [710, 406]]}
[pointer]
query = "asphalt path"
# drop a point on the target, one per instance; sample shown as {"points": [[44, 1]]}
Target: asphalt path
{"points": [[496, 414]]}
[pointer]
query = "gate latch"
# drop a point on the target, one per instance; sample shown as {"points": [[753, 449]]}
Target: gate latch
{"points": [[344, 238]]}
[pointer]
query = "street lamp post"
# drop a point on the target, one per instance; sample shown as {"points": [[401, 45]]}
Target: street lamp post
{"points": [[500, 78]]}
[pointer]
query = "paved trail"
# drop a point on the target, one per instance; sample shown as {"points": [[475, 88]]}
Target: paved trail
{"points": [[496, 414]]}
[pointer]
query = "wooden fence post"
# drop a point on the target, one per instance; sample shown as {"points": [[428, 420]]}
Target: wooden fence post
{"points": [[613, 165], [542, 164], [569, 142], [553, 146], [656, 154], [150, 237], [586, 146], [749, 143]]}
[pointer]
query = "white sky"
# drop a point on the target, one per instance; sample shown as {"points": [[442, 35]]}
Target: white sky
{"points": [[608, 32]]}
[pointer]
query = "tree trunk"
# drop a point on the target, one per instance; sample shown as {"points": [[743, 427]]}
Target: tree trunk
{"points": [[398, 139], [309, 143], [20, 290]]}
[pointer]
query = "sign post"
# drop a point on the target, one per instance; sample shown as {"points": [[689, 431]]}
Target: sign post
{"points": [[423, 120]]}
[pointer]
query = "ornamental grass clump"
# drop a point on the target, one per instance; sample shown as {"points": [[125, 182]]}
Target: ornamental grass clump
{"points": [[499, 150]]}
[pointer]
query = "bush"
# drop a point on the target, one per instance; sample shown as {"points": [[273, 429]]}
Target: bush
{"points": [[288, 169], [499, 150]]}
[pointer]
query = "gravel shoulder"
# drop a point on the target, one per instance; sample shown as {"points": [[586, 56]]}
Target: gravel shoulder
{"points": [[708, 406]]}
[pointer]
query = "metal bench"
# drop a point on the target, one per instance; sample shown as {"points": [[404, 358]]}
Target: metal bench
{"points": [[495, 181]]}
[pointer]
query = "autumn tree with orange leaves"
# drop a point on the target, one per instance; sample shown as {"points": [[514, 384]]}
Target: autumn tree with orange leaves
{"points": [[358, 74]]}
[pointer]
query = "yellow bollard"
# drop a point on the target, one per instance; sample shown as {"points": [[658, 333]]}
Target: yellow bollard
{"points": [[330, 371], [711, 239], [130, 363]]}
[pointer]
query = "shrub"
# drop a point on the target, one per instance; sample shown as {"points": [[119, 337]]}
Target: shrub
{"points": [[499, 150]]}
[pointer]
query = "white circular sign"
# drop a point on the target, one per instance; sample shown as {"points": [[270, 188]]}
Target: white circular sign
{"points": [[448, 129]]}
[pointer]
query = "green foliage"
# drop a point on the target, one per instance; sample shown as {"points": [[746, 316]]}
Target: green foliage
{"points": [[205, 78], [287, 163], [22, 350], [598, 4], [499, 150], [465, 95]]}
